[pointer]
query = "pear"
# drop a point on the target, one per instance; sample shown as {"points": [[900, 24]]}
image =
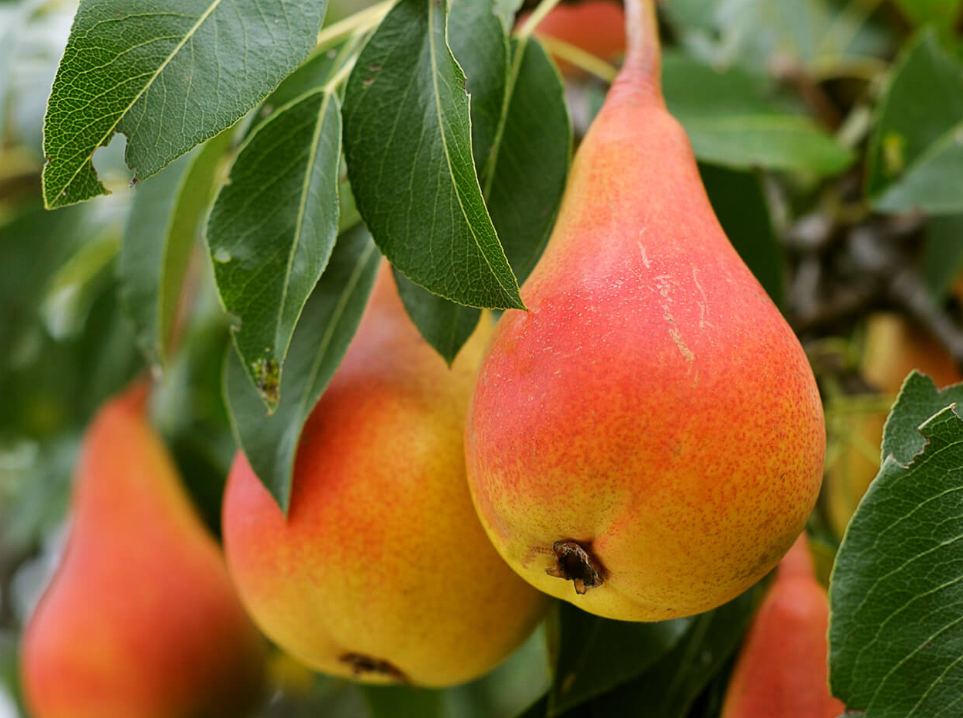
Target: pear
{"points": [[647, 440], [141, 619], [381, 571], [782, 671]]}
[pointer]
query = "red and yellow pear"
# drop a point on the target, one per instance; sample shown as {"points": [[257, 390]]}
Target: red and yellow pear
{"points": [[782, 669], [381, 570], [647, 440], [141, 619]]}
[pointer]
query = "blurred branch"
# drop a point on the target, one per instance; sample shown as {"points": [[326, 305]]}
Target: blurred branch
{"points": [[846, 268], [580, 58], [804, 85]]}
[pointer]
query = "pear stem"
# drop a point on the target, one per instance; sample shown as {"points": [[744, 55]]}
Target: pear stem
{"points": [[643, 56]]}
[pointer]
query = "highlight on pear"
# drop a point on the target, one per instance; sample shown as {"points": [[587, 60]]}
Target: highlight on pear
{"points": [[647, 440]]}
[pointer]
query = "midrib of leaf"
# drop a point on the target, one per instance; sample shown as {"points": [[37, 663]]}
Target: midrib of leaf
{"points": [[190, 34], [312, 157], [333, 323], [489, 171], [444, 142], [163, 335]]}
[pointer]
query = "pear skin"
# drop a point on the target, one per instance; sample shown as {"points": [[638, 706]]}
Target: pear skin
{"points": [[782, 669], [141, 619], [381, 571], [647, 440], [892, 349]]}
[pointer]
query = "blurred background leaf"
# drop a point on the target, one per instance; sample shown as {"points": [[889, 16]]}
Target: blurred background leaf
{"points": [[916, 156], [896, 587]]}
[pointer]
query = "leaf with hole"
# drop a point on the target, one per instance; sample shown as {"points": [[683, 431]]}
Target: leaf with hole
{"points": [[167, 80]]}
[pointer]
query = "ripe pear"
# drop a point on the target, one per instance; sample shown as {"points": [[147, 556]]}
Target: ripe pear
{"points": [[891, 350], [647, 440], [141, 619], [595, 26], [381, 570], [782, 667]]}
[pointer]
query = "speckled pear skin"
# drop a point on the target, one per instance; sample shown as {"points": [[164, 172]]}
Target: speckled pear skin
{"points": [[141, 619], [652, 408], [381, 572], [782, 670]]}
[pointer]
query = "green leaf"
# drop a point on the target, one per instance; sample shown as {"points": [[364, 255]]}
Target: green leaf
{"points": [[523, 171], [942, 261], [403, 702], [506, 10], [480, 46], [272, 229], [72, 289], [56, 273], [538, 709], [329, 321], [895, 630], [918, 400], [525, 176], [597, 655], [168, 80], [670, 687], [445, 325], [732, 120], [941, 13], [740, 205], [9, 671], [916, 152], [812, 34], [187, 406], [161, 231], [407, 142], [313, 74], [35, 490], [75, 286]]}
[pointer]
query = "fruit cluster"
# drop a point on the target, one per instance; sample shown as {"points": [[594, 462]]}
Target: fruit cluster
{"points": [[646, 441]]}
